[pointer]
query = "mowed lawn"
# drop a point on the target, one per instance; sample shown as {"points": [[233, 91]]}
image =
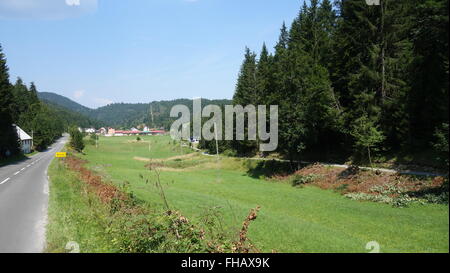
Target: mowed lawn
{"points": [[290, 220]]}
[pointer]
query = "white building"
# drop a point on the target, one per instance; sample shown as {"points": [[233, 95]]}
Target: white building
{"points": [[26, 142]]}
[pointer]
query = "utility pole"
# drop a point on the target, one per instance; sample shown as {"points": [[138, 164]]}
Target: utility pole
{"points": [[217, 153], [217, 141], [96, 142], [151, 115], [32, 138], [183, 129]]}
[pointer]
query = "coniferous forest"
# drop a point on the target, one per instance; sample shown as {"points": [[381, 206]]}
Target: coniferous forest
{"points": [[352, 81], [355, 81]]}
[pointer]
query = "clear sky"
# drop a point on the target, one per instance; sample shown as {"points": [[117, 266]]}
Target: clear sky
{"points": [[101, 51]]}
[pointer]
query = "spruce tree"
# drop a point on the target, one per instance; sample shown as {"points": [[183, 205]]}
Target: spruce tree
{"points": [[33, 95], [428, 101], [246, 93], [246, 87], [367, 136], [20, 95], [279, 67], [9, 142], [305, 101], [264, 77]]}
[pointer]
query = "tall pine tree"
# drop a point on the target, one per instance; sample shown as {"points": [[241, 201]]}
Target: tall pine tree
{"points": [[9, 144]]}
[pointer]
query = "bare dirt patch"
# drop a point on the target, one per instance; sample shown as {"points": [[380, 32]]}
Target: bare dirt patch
{"points": [[355, 180], [105, 191], [145, 159]]}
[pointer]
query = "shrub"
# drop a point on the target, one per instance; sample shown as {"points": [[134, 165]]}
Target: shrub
{"points": [[298, 180], [342, 188], [441, 144], [361, 196], [391, 194], [76, 140], [92, 139]]}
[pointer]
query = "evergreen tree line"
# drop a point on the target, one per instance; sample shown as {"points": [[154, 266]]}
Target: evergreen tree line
{"points": [[353, 80], [20, 105]]}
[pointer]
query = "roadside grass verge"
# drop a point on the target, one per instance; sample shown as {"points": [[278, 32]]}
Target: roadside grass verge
{"points": [[291, 219], [100, 217], [73, 214]]}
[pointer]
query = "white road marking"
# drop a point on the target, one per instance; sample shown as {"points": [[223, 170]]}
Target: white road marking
{"points": [[28, 166], [22, 169], [16, 173], [4, 181]]}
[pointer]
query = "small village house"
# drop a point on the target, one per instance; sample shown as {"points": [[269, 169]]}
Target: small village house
{"points": [[26, 141], [157, 132], [134, 132], [90, 130], [111, 131]]}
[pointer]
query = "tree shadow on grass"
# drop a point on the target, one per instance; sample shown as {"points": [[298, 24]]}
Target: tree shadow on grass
{"points": [[270, 168], [437, 195]]}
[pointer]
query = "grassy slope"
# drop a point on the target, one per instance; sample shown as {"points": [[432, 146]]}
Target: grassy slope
{"points": [[291, 220], [70, 217]]}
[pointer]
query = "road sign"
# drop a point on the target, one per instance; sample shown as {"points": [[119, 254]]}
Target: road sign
{"points": [[61, 154]]}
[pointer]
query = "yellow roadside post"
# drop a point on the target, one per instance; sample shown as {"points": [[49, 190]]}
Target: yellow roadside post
{"points": [[61, 155]]}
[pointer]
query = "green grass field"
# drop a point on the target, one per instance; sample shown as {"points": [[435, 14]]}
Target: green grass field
{"points": [[291, 219]]}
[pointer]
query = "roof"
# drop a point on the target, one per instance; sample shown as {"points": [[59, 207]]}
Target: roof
{"points": [[22, 134]]}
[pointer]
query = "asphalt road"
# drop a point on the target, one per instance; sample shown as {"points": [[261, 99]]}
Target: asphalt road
{"points": [[24, 201]]}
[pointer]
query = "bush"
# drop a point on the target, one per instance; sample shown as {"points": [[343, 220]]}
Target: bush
{"points": [[441, 144], [92, 139], [298, 180], [361, 196], [76, 140], [156, 233]]}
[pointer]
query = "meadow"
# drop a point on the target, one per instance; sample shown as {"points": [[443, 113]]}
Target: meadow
{"points": [[291, 219]]}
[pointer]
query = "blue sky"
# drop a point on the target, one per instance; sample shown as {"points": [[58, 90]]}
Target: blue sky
{"points": [[101, 51]]}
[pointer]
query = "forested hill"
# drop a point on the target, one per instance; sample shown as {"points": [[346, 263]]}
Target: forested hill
{"points": [[71, 112], [126, 115], [71, 117], [63, 101], [154, 114]]}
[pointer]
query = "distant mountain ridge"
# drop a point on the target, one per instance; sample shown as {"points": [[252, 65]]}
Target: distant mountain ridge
{"points": [[127, 115], [64, 102]]}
